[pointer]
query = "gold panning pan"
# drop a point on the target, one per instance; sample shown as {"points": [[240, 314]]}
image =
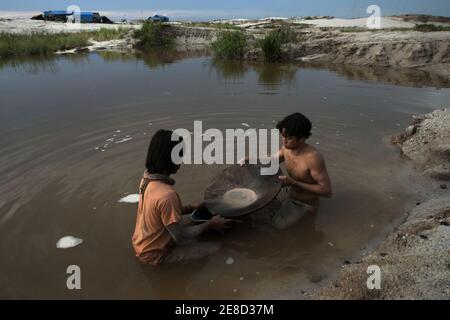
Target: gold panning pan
{"points": [[241, 190]]}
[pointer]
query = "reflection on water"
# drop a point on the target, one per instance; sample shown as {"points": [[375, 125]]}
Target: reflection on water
{"points": [[77, 132], [403, 77], [270, 75], [31, 65], [273, 75]]}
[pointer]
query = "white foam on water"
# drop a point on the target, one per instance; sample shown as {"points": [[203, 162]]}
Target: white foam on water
{"points": [[245, 124], [68, 242], [124, 140], [131, 198]]}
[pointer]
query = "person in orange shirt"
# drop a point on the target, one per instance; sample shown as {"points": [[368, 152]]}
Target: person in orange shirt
{"points": [[162, 234]]}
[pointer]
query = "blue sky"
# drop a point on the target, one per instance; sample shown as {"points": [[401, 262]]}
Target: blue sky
{"points": [[210, 9]]}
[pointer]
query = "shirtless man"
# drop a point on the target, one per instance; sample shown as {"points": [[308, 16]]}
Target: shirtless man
{"points": [[307, 178], [307, 173]]}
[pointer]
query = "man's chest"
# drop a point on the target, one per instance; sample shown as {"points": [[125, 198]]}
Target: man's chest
{"points": [[297, 167]]}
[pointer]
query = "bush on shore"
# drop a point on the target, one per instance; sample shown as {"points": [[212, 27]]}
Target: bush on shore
{"points": [[154, 35], [230, 45]]}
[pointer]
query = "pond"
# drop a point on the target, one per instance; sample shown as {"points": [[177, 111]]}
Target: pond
{"points": [[75, 131]]}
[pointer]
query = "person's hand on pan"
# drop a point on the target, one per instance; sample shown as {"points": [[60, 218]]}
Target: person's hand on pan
{"points": [[219, 223], [287, 181], [247, 160]]}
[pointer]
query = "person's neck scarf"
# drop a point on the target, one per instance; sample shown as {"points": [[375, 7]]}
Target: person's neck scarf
{"points": [[159, 177]]}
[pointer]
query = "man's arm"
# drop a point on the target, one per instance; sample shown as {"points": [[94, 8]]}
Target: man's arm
{"points": [[181, 233], [319, 173], [276, 156]]}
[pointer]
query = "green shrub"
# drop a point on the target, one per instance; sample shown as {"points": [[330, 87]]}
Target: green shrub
{"points": [[154, 34], [286, 35], [230, 45], [274, 40], [430, 28], [271, 46]]}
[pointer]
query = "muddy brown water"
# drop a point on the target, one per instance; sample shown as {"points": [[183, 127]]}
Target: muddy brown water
{"points": [[75, 130]]}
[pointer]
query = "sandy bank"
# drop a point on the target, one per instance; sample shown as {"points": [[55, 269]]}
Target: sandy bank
{"points": [[426, 51], [399, 49], [415, 259]]}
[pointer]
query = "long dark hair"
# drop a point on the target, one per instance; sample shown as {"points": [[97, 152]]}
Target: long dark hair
{"points": [[159, 155]]}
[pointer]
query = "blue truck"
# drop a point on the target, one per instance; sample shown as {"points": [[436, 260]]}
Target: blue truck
{"points": [[159, 18], [63, 16]]}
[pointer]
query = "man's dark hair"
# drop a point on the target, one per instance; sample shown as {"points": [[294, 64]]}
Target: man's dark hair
{"points": [[296, 125], [159, 155]]}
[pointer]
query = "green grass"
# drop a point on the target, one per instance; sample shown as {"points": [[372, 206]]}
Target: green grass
{"points": [[44, 44], [154, 35], [39, 43], [106, 34], [230, 45], [273, 42], [430, 28]]}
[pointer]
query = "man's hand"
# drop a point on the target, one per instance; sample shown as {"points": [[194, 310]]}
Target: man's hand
{"points": [[219, 223], [287, 181]]}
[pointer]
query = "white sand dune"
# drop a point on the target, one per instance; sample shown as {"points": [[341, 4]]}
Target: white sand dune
{"points": [[386, 23]]}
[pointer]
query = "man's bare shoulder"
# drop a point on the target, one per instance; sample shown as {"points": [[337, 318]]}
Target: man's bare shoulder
{"points": [[314, 155]]}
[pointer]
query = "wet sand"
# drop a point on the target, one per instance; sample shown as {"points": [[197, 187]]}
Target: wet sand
{"points": [[413, 260], [77, 145]]}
